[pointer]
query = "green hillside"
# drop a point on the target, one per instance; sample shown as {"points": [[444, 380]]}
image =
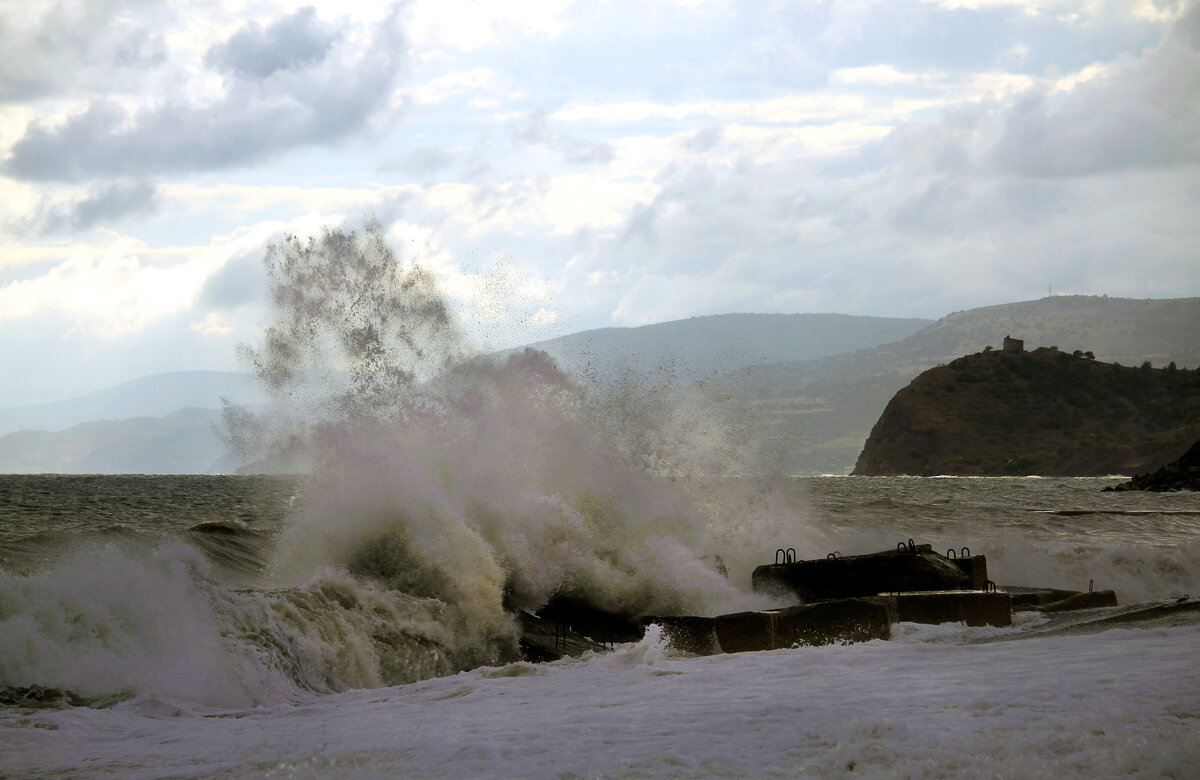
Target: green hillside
{"points": [[1042, 412], [818, 413]]}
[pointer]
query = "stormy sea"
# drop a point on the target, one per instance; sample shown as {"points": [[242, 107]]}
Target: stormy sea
{"points": [[362, 620], [209, 626]]}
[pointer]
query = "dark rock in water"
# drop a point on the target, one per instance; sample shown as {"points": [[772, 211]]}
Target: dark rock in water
{"points": [[1182, 474], [912, 568], [39, 697]]}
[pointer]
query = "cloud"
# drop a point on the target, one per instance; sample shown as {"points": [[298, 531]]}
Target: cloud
{"points": [[425, 160], [241, 280], [55, 47], [295, 41], [1140, 113], [102, 206], [535, 131], [1064, 181], [280, 93], [110, 292]]}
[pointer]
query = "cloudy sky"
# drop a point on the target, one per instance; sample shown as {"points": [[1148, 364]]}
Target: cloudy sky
{"points": [[568, 165]]}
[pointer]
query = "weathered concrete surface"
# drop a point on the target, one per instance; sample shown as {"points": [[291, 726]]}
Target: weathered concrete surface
{"points": [[1024, 598], [548, 640], [975, 567], [591, 621], [688, 633], [1089, 600], [1056, 600], [842, 620], [915, 568], [973, 607]]}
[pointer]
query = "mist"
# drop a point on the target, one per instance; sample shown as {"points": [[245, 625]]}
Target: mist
{"points": [[483, 483]]}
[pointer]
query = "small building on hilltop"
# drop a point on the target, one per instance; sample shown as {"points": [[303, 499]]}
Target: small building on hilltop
{"points": [[1014, 346]]}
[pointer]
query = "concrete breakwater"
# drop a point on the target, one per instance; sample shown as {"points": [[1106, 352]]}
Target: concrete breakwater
{"points": [[843, 599]]}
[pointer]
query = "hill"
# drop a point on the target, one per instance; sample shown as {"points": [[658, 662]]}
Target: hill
{"points": [[807, 387], [820, 412], [148, 396], [183, 442], [684, 351], [1041, 412]]}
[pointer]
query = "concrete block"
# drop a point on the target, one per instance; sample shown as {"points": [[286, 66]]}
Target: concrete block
{"points": [[973, 607], [840, 620], [687, 633], [1090, 600], [910, 569]]}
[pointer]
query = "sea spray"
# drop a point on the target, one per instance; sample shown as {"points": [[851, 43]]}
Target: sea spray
{"points": [[442, 494], [480, 484]]}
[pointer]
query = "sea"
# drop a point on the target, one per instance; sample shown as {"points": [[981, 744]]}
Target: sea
{"points": [[251, 626]]}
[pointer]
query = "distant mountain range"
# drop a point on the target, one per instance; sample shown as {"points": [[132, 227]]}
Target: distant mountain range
{"points": [[686, 351], [812, 385], [150, 396], [818, 413]]}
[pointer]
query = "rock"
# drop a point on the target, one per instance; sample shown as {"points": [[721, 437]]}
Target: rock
{"points": [[1038, 412], [1182, 474]]}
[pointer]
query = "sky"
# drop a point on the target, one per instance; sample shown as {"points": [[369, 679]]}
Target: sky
{"points": [[569, 165]]}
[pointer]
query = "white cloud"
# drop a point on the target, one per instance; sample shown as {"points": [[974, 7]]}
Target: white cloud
{"points": [[452, 85], [111, 291], [879, 74], [787, 109], [464, 26]]}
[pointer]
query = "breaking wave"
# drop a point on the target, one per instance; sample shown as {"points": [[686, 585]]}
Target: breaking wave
{"points": [[443, 493]]}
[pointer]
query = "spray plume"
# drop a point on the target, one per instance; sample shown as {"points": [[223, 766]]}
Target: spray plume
{"points": [[473, 483]]}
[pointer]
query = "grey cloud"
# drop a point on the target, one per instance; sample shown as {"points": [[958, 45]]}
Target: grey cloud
{"points": [[115, 202], [1146, 114], [705, 139], [535, 131], [294, 41], [255, 119], [580, 152], [105, 205], [242, 280], [68, 46], [425, 160]]}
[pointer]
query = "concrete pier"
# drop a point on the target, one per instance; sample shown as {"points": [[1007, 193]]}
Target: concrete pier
{"points": [[912, 568], [973, 607], [825, 622]]}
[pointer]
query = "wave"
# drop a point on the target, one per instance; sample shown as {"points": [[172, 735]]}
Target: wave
{"points": [[1119, 512], [103, 625]]}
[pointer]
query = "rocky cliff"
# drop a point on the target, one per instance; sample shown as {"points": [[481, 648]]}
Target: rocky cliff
{"points": [[1182, 474], [1041, 412]]}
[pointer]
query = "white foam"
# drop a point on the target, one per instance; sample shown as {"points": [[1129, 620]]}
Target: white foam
{"points": [[1125, 702]]}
